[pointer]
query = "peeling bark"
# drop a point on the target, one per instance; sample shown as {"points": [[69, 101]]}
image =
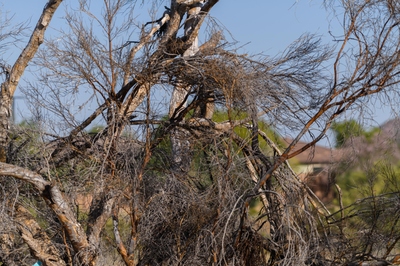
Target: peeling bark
{"points": [[98, 217], [10, 84], [181, 150], [127, 255], [86, 253], [5, 114], [38, 241], [6, 247]]}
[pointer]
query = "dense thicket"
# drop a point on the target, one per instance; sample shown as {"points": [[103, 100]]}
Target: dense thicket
{"points": [[200, 176]]}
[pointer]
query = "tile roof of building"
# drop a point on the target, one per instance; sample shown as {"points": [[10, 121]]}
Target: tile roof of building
{"points": [[315, 154]]}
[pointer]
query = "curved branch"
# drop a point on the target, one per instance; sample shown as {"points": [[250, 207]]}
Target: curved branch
{"points": [[54, 199], [31, 48]]}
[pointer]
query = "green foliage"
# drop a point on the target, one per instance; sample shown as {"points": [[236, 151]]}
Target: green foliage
{"points": [[345, 130], [244, 132], [24, 140], [95, 129], [371, 133], [160, 159], [222, 115], [163, 150], [370, 216], [363, 182], [27, 129], [350, 128], [123, 227], [204, 154]]}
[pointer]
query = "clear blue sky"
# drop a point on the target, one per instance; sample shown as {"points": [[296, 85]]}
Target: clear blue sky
{"points": [[270, 26], [263, 26]]}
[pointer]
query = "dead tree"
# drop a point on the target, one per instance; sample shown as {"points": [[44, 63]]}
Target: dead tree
{"points": [[173, 185]]}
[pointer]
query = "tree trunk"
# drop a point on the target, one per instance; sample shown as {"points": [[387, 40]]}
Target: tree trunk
{"points": [[12, 79], [38, 241], [181, 151], [10, 84], [5, 113], [86, 253]]}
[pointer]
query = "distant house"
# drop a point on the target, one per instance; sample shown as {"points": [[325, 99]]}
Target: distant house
{"points": [[314, 167]]}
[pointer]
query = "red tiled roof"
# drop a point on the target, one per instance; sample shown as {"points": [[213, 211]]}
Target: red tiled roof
{"points": [[315, 154]]}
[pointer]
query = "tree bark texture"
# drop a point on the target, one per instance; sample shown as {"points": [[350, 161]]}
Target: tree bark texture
{"points": [[53, 197], [12, 79], [37, 239], [181, 150]]}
